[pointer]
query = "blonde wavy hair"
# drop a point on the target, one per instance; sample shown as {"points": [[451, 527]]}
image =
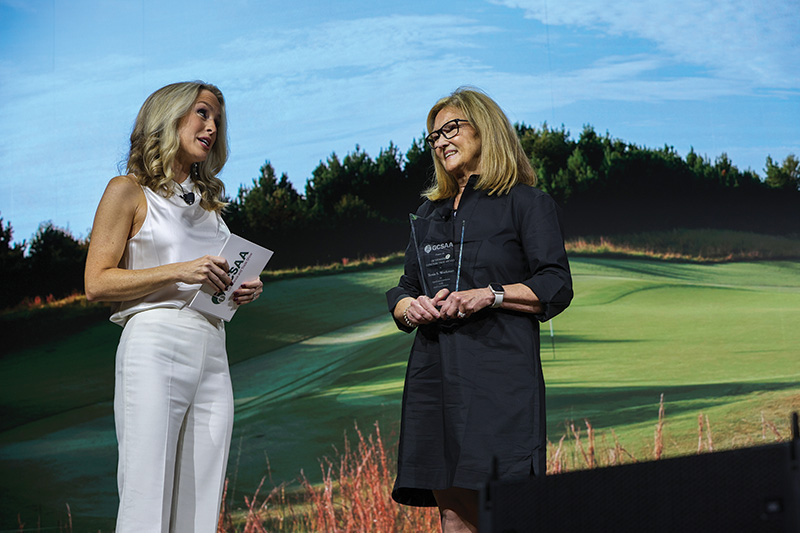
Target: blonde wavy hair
{"points": [[155, 142], [503, 161]]}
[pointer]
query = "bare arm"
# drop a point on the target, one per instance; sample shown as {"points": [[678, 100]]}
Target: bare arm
{"points": [[119, 216]]}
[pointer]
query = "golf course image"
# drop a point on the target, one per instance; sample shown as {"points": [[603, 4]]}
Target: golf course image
{"points": [[318, 355]]}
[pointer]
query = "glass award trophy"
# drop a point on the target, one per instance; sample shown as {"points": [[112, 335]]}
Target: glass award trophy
{"points": [[438, 256]]}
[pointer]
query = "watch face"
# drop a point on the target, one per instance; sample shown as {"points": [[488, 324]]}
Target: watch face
{"points": [[496, 287]]}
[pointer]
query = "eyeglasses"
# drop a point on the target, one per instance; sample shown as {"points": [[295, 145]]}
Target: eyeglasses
{"points": [[448, 130]]}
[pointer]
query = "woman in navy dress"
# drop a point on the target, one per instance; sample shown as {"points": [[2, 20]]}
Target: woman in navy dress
{"points": [[474, 390]]}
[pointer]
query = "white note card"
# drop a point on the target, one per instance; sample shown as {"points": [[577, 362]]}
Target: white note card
{"points": [[246, 261]]}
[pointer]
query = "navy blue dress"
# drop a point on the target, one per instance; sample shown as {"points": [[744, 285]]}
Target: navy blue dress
{"points": [[474, 388]]}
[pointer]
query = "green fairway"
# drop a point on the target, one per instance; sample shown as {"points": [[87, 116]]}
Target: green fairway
{"points": [[717, 339], [316, 355]]}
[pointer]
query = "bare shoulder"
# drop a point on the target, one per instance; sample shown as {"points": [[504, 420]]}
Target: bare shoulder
{"points": [[124, 185], [124, 191], [123, 202]]}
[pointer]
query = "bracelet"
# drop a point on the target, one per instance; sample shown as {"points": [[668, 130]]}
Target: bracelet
{"points": [[405, 317]]}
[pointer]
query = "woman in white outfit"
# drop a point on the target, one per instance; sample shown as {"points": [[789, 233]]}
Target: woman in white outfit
{"points": [[151, 241]]}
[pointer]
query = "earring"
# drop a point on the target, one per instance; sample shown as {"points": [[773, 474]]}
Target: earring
{"points": [[195, 171]]}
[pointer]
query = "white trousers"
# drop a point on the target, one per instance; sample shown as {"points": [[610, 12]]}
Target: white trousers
{"points": [[173, 408]]}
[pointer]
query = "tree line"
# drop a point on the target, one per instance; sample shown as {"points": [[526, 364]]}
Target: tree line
{"points": [[358, 206]]}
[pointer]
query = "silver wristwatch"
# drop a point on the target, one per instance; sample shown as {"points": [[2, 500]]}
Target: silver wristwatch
{"points": [[498, 292]]}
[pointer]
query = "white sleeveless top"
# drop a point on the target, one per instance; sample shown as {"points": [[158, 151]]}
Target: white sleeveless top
{"points": [[173, 231]]}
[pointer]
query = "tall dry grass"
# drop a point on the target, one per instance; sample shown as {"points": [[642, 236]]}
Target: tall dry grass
{"points": [[353, 496], [355, 492]]}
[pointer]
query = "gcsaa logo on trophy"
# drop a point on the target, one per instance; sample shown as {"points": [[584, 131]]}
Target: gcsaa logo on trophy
{"points": [[219, 296], [436, 247]]}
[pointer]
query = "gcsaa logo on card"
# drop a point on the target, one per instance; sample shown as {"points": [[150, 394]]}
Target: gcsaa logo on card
{"points": [[219, 296]]}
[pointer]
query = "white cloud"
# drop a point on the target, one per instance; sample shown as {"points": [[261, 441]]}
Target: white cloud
{"points": [[753, 42], [368, 43]]}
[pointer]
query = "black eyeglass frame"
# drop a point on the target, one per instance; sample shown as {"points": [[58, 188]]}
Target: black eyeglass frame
{"points": [[431, 140]]}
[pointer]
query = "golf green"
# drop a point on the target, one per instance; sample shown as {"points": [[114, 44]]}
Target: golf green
{"points": [[317, 355]]}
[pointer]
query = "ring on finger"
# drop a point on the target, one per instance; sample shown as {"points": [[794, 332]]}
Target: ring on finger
{"points": [[461, 314]]}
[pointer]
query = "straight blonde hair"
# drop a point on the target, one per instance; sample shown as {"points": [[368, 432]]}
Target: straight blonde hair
{"points": [[503, 161], [155, 143]]}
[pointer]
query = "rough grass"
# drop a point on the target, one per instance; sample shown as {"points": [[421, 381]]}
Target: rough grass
{"points": [[355, 492], [353, 496], [695, 245]]}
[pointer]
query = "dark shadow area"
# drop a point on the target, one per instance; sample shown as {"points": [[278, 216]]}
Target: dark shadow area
{"points": [[27, 329], [757, 210]]}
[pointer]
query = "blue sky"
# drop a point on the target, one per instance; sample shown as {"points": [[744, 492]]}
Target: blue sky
{"points": [[303, 79]]}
